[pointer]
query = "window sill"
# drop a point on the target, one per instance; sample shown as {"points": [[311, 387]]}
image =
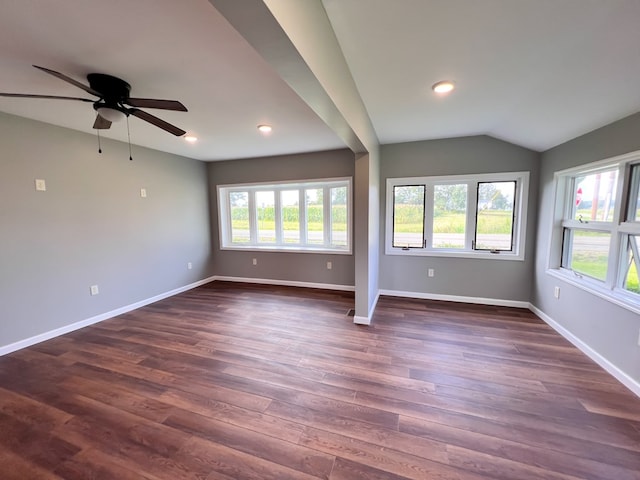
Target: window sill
{"points": [[616, 297], [418, 252], [282, 249]]}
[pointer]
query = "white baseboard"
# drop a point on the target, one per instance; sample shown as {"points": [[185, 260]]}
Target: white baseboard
{"points": [[455, 298], [361, 320], [609, 367], [27, 342], [286, 283], [367, 320]]}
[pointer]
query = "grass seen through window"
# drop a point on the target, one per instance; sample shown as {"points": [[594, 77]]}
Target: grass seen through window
{"points": [[496, 221]]}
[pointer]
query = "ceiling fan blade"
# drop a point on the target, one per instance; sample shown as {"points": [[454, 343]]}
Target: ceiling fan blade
{"points": [[101, 123], [152, 119], [153, 103], [69, 80], [52, 97]]}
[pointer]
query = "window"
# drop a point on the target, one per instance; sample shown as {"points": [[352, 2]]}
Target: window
{"points": [[494, 217], [408, 216], [596, 241], [466, 216], [449, 204], [293, 216]]}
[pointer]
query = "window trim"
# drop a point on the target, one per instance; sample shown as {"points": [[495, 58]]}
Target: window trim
{"points": [[520, 212], [225, 225], [619, 228]]}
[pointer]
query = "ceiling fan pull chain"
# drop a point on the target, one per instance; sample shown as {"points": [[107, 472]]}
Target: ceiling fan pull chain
{"points": [[129, 137], [99, 146]]}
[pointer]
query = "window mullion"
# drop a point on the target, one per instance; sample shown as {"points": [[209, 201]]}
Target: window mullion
{"points": [[303, 217], [628, 187], [326, 216], [227, 224], [472, 210], [277, 213], [514, 218], [613, 265], [618, 247], [569, 206], [427, 239], [253, 218]]}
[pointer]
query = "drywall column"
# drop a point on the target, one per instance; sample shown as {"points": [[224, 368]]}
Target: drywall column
{"points": [[366, 239]]}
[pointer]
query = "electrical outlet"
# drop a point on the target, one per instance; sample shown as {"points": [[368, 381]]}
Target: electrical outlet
{"points": [[255, 261], [189, 265], [41, 185], [431, 272], [556, 291], [329, 266], [94, 290], [143, 192]]}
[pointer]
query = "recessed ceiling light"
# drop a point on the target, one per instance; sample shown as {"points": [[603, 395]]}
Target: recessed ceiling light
{"points": [[190, 138], [264, 128], [443, 87]]}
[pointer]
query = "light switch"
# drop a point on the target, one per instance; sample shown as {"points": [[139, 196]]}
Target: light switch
{"points": [[41, 186]]}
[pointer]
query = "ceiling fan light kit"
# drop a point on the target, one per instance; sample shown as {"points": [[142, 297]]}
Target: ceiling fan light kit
{"points": [[110, 114]]}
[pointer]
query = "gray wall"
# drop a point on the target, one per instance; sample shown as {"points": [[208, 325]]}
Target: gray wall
{"points": [[91, 226], [291, 267], [608, 329], [481, 278]]}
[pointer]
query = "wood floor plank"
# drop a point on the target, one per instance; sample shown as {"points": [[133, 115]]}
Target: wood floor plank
{"points": [[388, 460], [17, 467], [235, 464], [500, 468], [354, 370], [460, 430], [349, 427], [233, 381], [519, 450], [118, 397], [301, 384], [266, 424], [268, 447], [30, 411], [39, 445], [475, 379], [92, 464]]}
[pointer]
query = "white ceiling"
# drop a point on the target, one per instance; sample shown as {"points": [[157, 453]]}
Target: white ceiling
{"points": [[532, 72]]}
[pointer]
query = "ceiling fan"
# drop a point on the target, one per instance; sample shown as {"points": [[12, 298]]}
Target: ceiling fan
{"points": [[113, 101]]}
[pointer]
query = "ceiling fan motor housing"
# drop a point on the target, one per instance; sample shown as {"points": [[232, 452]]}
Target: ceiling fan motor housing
{"points": [[113, 92], [112, 89]]}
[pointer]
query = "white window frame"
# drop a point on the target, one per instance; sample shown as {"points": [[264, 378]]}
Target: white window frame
{"points": [[619, 228], [326, 184], [519, 222]]}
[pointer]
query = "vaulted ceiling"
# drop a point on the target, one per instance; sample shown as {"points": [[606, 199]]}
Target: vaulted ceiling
{"points": [[532, 72]]}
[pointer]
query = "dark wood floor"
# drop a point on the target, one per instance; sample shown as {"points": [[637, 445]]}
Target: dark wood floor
{"points": [[234, 381]]}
